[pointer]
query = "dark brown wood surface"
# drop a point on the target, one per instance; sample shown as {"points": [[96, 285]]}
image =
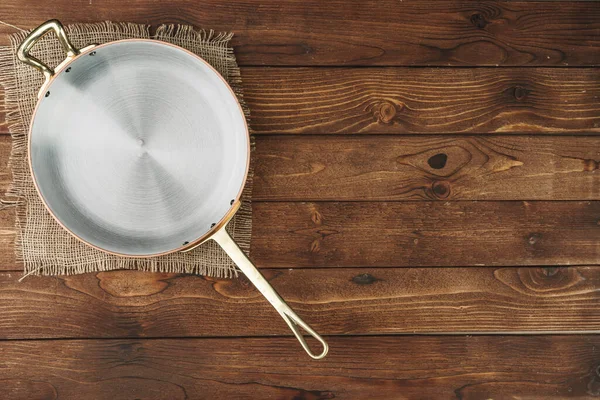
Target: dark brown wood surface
{"points": [[423, 100], [441, 226], [382, 32], [426, 234], [384, 368], [361, 301], [394, 167]]}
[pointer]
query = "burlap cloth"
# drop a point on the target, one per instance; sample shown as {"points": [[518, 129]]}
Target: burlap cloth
{"points": [[42, 245]]}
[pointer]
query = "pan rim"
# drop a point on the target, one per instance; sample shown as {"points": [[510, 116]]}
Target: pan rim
{"points": [[219, 225]]}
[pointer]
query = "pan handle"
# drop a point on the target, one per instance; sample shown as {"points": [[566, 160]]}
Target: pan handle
{"points": [[223, 238], [35, 35]]}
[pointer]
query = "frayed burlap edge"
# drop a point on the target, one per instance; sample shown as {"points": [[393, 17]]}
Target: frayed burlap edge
{"points": [[208, 259]]}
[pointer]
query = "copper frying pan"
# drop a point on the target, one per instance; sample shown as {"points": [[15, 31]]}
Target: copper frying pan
{"points": [[140, 148]]}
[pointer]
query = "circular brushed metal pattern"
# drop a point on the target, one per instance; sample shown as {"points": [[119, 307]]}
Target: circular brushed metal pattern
{"points": [[139, 148]]}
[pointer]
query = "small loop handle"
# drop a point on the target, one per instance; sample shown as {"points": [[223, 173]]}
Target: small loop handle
{"points": [[294, 321], [35, 35]]}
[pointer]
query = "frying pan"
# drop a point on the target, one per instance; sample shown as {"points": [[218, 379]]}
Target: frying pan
{"points": [[140, 148]]}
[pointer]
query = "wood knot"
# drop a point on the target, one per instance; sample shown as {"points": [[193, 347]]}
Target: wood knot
{"points": [[244, 281], [240, 288], [438, 161], [133, 283], [541, 281], [315, 246], [316, 217], [550, 271], [386, 112], [534, 238], [590, 165], [479, 21], [554, 278], [128, 352], [520, 93], [364, 279], [440, 189]]}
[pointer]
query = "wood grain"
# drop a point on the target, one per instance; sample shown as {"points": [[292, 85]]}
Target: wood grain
{"points": [[422, 100], [426, 234], [411, 234], [339, 301], [339, 32], [364, 168], [412, 367]]}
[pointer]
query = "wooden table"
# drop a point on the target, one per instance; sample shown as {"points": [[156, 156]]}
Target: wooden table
{"points": [[427, 196]]}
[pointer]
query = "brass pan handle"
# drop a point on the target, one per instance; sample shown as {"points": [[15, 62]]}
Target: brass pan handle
{"points": [[35, 35], [223, 238]]}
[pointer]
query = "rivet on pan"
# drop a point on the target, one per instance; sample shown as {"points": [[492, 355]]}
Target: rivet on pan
{"points": [[93, 53], [186, 242], [232, 201], [213, 225], [68, 69], [47, 93]]}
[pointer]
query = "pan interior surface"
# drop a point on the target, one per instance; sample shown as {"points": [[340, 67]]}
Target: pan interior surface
{"points": [[138, 147]]}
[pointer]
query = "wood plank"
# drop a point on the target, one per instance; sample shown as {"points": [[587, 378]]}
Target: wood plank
{"points": [[363, 168], [426, 234], [338, 32], [422, 100], [549, 367], [411, 234], [338, 301]]}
